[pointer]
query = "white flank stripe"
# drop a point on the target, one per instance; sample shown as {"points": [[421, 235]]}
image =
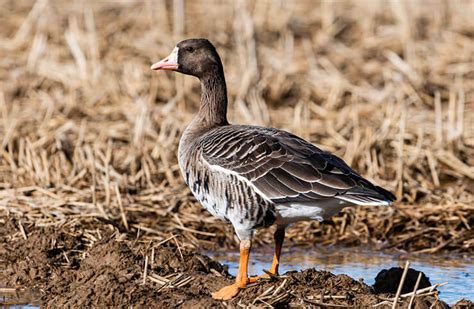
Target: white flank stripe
{"points": [[361, 203], [218, 168]]}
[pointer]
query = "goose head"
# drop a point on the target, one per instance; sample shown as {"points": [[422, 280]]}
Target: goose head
{"points": [[196, 57]]}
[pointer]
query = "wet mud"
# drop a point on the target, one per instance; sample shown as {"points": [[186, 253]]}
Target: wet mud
{"points": [[107, 268]]}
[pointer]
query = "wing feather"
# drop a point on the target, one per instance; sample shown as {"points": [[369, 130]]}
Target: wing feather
{"points": [[286, 168], [303, 171]]}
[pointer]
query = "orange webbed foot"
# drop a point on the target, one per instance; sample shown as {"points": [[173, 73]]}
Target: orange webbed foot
{"points": [[266, 276], [261, 277], [227, 292]]}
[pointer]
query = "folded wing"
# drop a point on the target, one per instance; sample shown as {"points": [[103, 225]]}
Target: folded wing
{"points": [[286, 169]]}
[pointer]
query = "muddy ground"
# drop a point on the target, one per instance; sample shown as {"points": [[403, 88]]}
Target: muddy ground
{"points": [[103, 267]]}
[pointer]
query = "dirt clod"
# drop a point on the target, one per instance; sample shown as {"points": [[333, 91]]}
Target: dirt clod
{"points": [[463, 304], [387, 281]]}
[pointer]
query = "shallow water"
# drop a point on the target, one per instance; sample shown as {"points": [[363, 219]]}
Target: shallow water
{"points": [[360, 264], [16, 299]]}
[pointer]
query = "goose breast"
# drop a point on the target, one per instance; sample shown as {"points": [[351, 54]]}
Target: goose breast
{"points": [[225, 194]]}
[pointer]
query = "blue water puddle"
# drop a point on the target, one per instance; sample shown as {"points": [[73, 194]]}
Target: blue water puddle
{"points": [[18, 299], [359, 264], [18, 306]]}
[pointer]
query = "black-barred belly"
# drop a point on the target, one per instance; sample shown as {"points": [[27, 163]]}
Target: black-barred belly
{"points": [[229, 198]]}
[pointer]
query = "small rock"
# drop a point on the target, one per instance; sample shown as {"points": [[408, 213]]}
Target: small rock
{"points": [[387, 281]]}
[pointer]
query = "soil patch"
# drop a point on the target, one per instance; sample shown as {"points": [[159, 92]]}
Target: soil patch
{"points": [[71, 268]]}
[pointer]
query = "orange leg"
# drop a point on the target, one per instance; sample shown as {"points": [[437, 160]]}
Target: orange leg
{"points": [[279, 238], [242, 278]]}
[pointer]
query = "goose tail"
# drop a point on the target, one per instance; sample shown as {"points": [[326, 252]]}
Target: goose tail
{"points": [[376, 197]]}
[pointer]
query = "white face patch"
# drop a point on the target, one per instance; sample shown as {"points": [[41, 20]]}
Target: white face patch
{"points": [[173, 57]]}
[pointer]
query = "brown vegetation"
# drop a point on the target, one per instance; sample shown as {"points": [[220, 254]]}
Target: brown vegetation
{"points": [[88, 133]]}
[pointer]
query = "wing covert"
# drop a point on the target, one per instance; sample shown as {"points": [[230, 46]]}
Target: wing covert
{"points": [[286, 168]]}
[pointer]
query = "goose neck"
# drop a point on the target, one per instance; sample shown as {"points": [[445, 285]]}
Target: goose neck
{"points": [[213, 110]]}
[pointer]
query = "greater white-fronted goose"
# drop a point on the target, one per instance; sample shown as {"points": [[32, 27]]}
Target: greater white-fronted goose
{"points": [[252, 176]]}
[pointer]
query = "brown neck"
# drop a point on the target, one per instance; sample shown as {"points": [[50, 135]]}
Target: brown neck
{"points": [[213, 110]]}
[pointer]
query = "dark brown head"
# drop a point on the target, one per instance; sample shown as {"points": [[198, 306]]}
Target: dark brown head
{"points": [[197, 57]]}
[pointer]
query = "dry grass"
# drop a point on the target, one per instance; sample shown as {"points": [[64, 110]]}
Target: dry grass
{"points": [[89, 133]]}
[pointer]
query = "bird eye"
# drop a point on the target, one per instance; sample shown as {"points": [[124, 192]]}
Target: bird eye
{"points": [[190, 49]]}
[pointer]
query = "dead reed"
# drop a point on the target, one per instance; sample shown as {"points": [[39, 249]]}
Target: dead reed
{"points": [[87, 131]]}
